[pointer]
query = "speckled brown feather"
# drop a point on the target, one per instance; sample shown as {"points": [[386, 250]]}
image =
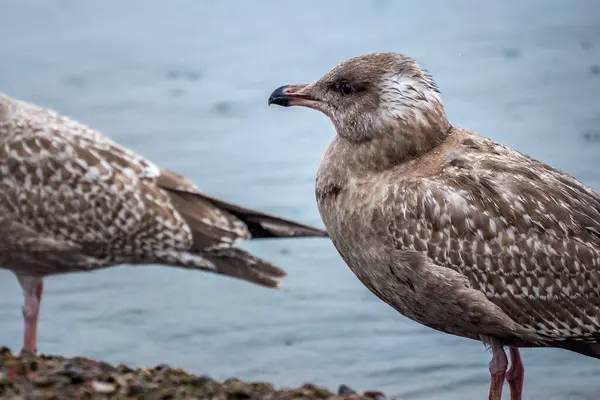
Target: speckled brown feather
{"points": [[524, 234], [453, 230], [73, 200]]}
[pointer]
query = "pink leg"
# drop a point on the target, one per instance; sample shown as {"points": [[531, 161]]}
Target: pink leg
{"points": [[515, 374], [498, 367], [33, 288]]}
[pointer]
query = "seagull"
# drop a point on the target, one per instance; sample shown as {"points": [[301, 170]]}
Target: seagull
{"points": [[451, 229], [72, 200]]}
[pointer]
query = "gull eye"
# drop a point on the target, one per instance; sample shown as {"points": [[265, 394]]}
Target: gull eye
{"points": [[346, 88]]}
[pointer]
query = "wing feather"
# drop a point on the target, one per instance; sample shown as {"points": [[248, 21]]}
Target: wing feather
{"points": [[524, 234]]}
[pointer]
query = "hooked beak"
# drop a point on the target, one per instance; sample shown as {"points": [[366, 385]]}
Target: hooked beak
{"points": [[293, 95]]}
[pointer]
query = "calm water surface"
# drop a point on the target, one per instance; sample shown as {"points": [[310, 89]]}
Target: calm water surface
{"points": [[186, 83]]}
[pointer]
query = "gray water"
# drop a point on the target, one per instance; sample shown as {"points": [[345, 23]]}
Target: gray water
{"points": [[186, 84]]}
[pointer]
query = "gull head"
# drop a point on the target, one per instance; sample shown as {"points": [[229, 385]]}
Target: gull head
{"points": [[371, 95]]}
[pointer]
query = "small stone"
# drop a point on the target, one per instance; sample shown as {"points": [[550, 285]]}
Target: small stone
{"points": [[136, 388], [237, 389], [161, 367], [374, 395], [124, 369], [74, 372], [103, 387], [343, 389], [263, 387], [117, 379]]}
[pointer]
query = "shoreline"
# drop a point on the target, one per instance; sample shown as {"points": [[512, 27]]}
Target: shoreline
{"points": [[57, 377]]}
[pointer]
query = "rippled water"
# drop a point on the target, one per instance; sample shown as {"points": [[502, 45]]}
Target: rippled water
{"points": [[186, 84]]}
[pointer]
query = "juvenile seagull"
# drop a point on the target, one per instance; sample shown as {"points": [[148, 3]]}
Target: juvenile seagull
{"points": [[453, 230], [72, 200]]}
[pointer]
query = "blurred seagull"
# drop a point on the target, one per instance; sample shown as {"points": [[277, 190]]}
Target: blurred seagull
{"points": [[72, 200]]}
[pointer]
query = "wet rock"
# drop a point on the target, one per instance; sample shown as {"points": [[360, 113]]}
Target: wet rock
{"points": [[59, 378]]}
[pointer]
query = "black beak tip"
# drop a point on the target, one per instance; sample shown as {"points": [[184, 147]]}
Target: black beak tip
{"points": [[279, 98]]}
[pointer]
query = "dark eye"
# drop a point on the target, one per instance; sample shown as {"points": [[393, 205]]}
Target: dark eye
{"points": [[346, 88]]}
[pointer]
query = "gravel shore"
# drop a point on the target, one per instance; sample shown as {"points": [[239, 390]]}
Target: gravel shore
{"points": [[55, 377]]}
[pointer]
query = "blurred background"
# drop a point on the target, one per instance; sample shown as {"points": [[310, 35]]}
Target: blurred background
{"points": [[186, 84]]}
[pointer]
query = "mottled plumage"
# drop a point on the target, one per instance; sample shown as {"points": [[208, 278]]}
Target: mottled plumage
{"points": [[452, 229], [73, 200]]}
